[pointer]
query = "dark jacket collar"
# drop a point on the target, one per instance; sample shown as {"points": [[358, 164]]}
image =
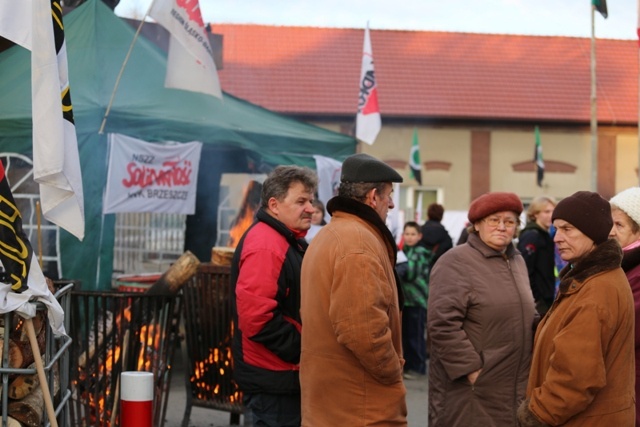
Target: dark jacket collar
{"points": [[532, 225], [366, 213], [630, 259], [604, 257], [299, 243]]}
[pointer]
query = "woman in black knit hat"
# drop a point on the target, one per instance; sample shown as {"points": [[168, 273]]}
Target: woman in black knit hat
{"points": [[582, 370]]}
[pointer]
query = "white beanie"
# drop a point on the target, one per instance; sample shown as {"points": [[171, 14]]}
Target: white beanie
{"points": [[628, 201]]}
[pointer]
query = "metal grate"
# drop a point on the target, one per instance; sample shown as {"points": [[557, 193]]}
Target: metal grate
{"points": [[147, 242], [208, 332], [115, 332]]}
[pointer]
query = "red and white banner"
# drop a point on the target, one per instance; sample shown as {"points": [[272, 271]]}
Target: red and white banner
{"points": [[368, 121], [145, 177], [190, 64]]}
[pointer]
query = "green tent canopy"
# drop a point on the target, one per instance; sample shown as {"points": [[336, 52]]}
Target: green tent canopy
{"points": [[237, 136]]}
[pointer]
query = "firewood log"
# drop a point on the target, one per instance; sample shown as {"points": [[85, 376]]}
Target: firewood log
{"points": [[23, 384], [20, 352], [29, 411], [177, 275], [93, 341], [12, 422]]}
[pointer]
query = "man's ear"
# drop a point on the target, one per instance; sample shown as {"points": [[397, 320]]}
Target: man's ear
{"points": [[272, 204], [370, 198]]}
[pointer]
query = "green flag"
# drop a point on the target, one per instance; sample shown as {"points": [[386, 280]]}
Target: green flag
{"points": [[414, 159], [601, 6]]}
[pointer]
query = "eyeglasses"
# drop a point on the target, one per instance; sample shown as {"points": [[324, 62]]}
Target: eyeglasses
{"points": [[495, 221]]}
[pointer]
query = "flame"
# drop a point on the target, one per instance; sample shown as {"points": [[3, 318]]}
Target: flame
{"points": [[150, 338], [242, 224], [248, 208], [218, 360]]}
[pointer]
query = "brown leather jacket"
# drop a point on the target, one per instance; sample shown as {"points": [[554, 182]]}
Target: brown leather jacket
{"points": [[351, 362]]}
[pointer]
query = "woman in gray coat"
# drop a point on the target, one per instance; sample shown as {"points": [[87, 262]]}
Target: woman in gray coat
{"points": [[480, 320]]}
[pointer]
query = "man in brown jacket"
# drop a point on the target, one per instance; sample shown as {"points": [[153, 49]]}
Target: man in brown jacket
{"points": [[351, 361], [582, 372]]}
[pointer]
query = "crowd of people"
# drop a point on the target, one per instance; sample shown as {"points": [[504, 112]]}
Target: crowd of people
{"points": [[528, 325]]}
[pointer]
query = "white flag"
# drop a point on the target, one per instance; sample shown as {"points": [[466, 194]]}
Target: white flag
{"points": [[146, 177], [13, 17], [328, 171], [190, 64], [56, 163], [418, 212], [368, 121]]}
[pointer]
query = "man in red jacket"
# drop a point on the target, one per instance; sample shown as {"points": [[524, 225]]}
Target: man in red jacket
{"points": [[265, 280]]}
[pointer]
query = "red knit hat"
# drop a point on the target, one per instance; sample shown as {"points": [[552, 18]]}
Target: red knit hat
{"points": [[490, 203]]}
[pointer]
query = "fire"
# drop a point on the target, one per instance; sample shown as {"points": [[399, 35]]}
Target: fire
{"points": [[219, 361], [242, 224], [248, 208], [150, 339]]}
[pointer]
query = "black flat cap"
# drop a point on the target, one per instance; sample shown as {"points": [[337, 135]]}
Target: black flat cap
{"points": [[365, 168]]}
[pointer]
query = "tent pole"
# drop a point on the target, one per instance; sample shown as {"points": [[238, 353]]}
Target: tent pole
{"points": [[124, 64]]}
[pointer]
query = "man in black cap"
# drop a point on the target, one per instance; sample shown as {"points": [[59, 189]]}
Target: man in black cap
{"points": [[351, 362]]}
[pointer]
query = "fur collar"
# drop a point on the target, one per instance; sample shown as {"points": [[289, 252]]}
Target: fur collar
{"points": [[606, 256]]}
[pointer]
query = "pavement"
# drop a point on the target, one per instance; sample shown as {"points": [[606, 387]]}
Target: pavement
{"points": [[204, 417]]}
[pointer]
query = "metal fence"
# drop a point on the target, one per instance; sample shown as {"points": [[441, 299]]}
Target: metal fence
{"points": [[147, 242]]}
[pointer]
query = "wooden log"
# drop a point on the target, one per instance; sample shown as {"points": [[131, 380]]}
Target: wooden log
{"points": [[30, 410], [23, 384], [95, 342], [20, 353], [12, 422], [177, 275]]}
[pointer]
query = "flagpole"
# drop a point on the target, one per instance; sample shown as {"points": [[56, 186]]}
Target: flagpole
{"points": [[124, 64], [594, 107]]}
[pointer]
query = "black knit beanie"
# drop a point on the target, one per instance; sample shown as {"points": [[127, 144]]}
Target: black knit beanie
{"points": [[588, 212]]}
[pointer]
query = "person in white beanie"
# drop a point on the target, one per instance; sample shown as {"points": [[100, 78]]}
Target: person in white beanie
{"points": [[625, 210]]}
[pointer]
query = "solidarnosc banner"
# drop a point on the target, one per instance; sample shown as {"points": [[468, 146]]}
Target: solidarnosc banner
{"points": [[145, 177]]}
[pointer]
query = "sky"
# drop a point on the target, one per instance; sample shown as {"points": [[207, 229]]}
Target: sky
{"points": [[530, 17]]}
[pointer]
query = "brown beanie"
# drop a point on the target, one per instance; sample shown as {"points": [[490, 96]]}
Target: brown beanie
{"points": [[588, 212], [490, 203]]}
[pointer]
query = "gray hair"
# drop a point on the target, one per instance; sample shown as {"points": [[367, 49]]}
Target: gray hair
{"points": [[358, 190], [280, 179]]}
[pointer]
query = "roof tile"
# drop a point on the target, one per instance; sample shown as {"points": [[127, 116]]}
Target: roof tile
{"points": [[308, 70]]}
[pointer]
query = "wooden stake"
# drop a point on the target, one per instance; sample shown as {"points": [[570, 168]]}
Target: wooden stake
{"points": [[114, 409], [31, 333]]}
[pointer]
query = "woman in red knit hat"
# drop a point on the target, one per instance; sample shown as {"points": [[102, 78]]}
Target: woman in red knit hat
{"points": [[480, 321]]}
